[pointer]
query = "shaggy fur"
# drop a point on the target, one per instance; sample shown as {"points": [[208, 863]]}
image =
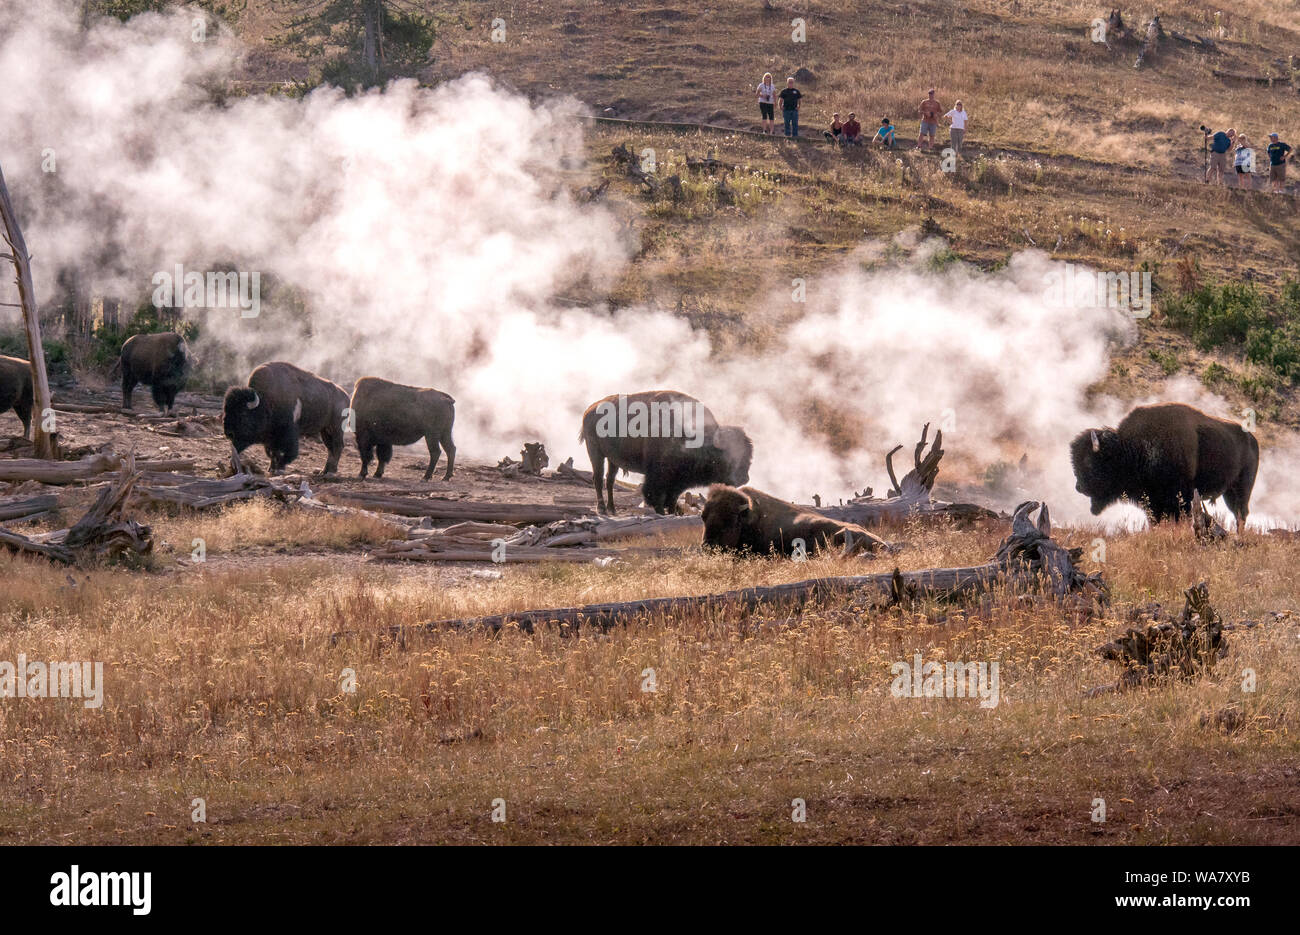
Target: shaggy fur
{"points": [[1161, 456], [388, 414], [16, 390], [748, 520], [669, 465], [159, 361], [290, 403]]}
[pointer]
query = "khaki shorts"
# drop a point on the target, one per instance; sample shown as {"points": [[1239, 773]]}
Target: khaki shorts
{"points": [[1277, 173], [1219, 161]]}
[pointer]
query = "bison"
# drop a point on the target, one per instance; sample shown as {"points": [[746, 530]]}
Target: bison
{"points": [[16, 390], [747, 520], [281, 403], [1163, 455], [388, 414], [671, 438], [159, 361]]}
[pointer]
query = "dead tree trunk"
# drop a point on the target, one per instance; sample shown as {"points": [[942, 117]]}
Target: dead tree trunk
{"points": [[46, 443], [1154, 32], [1028, 559]]}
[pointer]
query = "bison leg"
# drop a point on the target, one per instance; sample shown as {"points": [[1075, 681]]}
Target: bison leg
{"points": [[23, 410], [450, 449], [128, 387], [385, 453], [159, 394], [366, 449], [611, 474], [432, 444], [332, 436]]}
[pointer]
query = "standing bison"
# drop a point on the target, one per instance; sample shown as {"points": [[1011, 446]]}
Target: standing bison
{"points": [[280, 404], [671, 438], [388, 414], [16, 390], [1163, 455], [748, 520], [159, 361]]}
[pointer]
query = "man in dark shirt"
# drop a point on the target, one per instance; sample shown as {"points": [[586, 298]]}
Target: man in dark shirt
{"points": [[1278, 154], [853, 130], [1220, 144], [790, 107]]}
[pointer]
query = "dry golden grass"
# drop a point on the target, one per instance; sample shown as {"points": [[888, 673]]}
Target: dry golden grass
{"points": [[223, 684], [262, 524]]}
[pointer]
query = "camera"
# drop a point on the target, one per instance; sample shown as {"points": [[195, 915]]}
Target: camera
{"points": [[1206, 130]]}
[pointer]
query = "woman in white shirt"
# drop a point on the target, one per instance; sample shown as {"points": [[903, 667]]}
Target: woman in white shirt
{"points": [[1244, 162], [767, 103], [957, 126]]}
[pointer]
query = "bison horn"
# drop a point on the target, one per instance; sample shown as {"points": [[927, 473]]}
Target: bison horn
{"points": [[257, 401], [1096, 442]]}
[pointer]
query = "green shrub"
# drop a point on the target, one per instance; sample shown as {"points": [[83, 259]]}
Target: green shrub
{"points": [[1238, 316]]}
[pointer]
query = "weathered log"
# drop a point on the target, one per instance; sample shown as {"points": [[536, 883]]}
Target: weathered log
{"points": [[18, 508], [67, 472], [509, 513], [1027, 559], [1152, 40], [1205, 528], [909, 497]]}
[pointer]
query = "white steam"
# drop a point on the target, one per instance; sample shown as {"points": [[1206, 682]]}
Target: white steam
{"points": [[429, 233]]}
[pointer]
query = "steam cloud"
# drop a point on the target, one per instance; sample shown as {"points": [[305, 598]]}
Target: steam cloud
{"points": [[429, 232]]}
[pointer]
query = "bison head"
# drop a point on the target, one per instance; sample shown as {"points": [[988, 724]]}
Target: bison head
{"points": [[728, 515], [736, 453], [1099, 467], [244, 417]]}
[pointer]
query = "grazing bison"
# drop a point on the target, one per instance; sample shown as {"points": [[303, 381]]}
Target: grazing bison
{"points": [[159, 361], [388, 414], [16, 390], [748, 520], [671, 438], [1164, 454], [281, 403]]}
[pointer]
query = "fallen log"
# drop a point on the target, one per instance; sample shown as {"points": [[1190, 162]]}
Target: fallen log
{"points": [[103, 532], [1028, 559], [11, 508], [508, 513], [68, 472]]}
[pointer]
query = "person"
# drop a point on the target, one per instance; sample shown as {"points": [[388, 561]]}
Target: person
{"points": [[837, 128], [1219, 146], [885, 135], [1243, 161], [1278, 155], [853, 131], [957, 126], [930, 109], [767, 104], [790, 108]]}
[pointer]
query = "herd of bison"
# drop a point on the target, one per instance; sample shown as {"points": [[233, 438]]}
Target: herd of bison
{"points": [[1159, 456]]}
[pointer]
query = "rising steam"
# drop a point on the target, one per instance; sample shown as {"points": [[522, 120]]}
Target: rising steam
{"points": [[429, 232]]}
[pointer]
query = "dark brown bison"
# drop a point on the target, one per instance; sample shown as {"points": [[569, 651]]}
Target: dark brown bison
{"points": [[280, 404], [671, 438], [748, 520], [16, 390], [388, 414], [159, 361], [1163, 455]]}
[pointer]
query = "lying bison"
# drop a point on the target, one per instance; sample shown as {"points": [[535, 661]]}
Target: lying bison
{"points": [[748, 520], [16, 390], [388, 414], [1163, 455], [671, 438], [280, 404], [159, 361]]}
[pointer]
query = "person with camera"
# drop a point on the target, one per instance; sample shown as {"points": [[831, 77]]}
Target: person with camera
{"points": [[1220, 145]]}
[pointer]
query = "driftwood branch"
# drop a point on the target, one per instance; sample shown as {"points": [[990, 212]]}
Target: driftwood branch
{"points": [[1028, 559], [68, 472]]}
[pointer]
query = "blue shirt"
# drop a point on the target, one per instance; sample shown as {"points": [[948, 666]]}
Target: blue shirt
{"points": [[1221, 143], [885, 132]]}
